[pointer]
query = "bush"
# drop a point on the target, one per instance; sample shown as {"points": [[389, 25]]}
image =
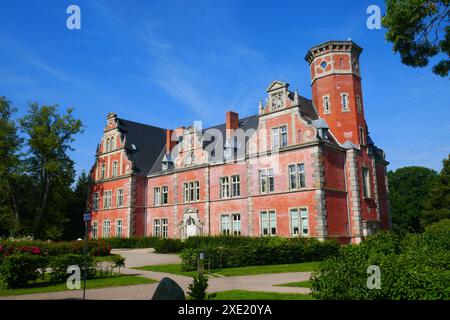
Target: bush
{"points": [[197, 289], [412, 267], [224, 253], [18, 269], [59, 265], [131, 242], [165, 245]]}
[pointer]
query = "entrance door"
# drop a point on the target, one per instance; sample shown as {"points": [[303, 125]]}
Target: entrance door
{"points": [[191, 228]]}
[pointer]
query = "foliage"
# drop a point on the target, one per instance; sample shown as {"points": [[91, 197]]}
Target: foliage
{"points": [[197, 289], [259, 251], [60, 263], [419, 30], [408, 191], [412, 267], [165, 245], [131, 242], [437, 205], [18, 269]]}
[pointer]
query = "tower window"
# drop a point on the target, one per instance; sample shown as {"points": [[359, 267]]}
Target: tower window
{"points": [[362, 136], [366, 182], [359, 104], [344, 102], [326, 104]]}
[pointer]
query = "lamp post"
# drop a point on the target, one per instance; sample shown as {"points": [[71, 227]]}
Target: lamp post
{"points": [[86, 219]]}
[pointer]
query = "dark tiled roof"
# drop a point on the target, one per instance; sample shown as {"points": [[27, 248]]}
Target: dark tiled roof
{"points": [[143, 144]]}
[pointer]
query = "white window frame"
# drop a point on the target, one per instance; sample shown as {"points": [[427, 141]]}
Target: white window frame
{"points": [[235, 186], [95, 201], [191, 191], [345, 101], [224, 187], [164, 228], [297, 177], [279, 137], [359, 103], [225, 225], [115, 169], [157, 196], [366, 182], [236, 225], [266, 178], [94, 231], [157, 228], [107, 199], [164, 195], [104, 233], [119, 228], [119, 197], [301, 215], [103, 171], [266, 215]]}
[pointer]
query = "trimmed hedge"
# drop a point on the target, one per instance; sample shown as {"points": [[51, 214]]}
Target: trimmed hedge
{"points": [[225, 252], [412, 267]]}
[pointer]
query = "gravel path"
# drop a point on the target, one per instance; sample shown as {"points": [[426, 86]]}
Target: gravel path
{"points": [[143, 257]]}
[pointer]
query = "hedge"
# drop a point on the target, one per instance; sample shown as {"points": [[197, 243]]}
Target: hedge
{"points": [[412, 267], [222, 252]]}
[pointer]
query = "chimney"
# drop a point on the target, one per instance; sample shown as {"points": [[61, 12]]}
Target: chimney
{"points": [[169, 142], [232, 121]]}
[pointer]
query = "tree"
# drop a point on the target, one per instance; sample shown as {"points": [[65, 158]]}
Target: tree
{"points": [[408, 191], [10, 168], [437, 206], [49, 138], [77, 206], [419, 30]]}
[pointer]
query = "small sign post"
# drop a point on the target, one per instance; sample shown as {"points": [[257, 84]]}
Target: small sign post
{"points": [[201, 263], [86, 219]]}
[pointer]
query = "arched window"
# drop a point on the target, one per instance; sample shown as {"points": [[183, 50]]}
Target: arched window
{"points": [[112, 146], [107, 145]]}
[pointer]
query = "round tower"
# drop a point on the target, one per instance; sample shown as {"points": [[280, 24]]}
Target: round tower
{"points": [[336, 89]]}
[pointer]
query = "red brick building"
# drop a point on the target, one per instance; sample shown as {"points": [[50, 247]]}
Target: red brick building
{"points": [[299, 167]]}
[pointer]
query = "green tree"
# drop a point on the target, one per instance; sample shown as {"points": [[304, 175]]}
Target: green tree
{"points": [[419, 30], [437, 206], [78, 204], [10, 169], [49, 139], [408, 191]]}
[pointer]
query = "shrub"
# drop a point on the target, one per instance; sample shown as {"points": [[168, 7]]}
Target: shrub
{"points": [[412, 267], [59, 265], [18, 269], [197, 289], [165, 245], [224, 253]]}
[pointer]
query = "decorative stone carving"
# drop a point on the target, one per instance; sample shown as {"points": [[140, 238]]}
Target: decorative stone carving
{"points": [[277, 100]]}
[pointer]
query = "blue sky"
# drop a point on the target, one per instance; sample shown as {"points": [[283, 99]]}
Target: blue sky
{"points": [[169, 63]]}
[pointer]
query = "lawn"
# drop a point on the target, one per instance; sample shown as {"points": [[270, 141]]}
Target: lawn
{"points": [[257, 295], [238, 271], [115, 281], [301, 284]]}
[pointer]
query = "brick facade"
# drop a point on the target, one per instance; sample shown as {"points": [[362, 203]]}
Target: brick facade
{"points": [[299, 167]]}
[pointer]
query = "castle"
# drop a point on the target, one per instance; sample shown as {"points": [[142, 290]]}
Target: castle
{"points": [[297, 168]]}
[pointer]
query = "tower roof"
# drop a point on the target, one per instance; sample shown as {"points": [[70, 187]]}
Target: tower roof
{"points": [[333, 46]]}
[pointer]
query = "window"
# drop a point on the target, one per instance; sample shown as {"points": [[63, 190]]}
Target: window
{"points": [[266, 181], [119, 197], [112, 145], [362, 136], [95, 201], [366, 182], [103, 171], [107, 145], [225, 225], [359, 104], [165, 195], [157, 228], [299, 222], [107, 199], [326, 104], [114, 171], [106, 229], [236, 186], [341, 63], [191, 191], [119, 228], [94, 229], [296, 176], [165, 228], [279, 137], [236, 224], [224, 187], [268, 223], [344, 102], [157, 196]]}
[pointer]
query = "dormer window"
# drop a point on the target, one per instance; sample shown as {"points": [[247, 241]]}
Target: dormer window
{"points": [[107, 145], [344, 102], [112, 145], [279, 137], [326, 104], [103, 171], [114, 169]]}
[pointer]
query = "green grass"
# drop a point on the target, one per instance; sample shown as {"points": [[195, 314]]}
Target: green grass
{"points": [[239, 271], [256, 295], [301, 284], [115, 281]]}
